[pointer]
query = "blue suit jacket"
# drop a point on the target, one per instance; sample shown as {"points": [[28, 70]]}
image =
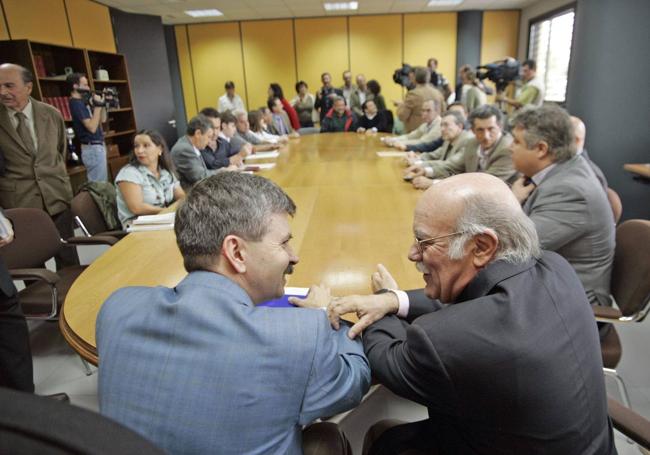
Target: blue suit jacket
{"points": [[200, 369]]}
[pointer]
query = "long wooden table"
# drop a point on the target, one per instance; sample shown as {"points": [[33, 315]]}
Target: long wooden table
{"points": [[354, 211]]}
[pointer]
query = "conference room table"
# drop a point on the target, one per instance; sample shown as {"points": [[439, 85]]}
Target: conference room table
{"points": [[353, 212]]}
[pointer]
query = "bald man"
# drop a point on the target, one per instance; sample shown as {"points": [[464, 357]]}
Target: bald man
{"points": [[501, 344], [580, 132]]}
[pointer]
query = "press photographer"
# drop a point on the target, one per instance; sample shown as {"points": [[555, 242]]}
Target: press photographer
{"points": [[88, 110], [531, 93]]}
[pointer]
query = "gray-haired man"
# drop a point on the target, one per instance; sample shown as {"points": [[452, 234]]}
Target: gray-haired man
{"points": [[200, 368], [186, 153], [501, 345]]}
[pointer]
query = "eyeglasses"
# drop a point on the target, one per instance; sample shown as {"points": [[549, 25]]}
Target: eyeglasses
{"points": [[423, 244]]}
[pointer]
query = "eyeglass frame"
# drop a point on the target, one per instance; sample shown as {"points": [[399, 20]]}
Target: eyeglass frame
{"points": [[425, 243]]}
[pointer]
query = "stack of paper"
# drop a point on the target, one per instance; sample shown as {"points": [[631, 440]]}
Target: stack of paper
{"points": [[391, 154], [158, 222], [263, 155]]}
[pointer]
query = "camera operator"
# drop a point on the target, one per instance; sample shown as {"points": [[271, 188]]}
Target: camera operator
{"points": [[531, 93], [88, 112]]}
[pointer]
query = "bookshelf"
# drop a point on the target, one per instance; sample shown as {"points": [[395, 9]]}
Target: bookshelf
{"points": [[50, 63]]}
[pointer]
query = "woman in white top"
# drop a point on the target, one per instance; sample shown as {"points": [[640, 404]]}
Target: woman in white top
{"points": [[147, 184]]}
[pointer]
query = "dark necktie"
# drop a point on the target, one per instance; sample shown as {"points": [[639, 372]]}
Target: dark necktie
{"points": [[23, 132]]}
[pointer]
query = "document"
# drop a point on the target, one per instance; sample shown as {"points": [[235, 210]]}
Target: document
{"points": [[391, 154], [263, 155], [160, 222]]}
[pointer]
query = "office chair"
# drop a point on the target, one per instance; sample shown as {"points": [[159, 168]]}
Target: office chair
{"points": [[36, 240], [630, 290], [616, 204], [628, 422], [90, 219]]}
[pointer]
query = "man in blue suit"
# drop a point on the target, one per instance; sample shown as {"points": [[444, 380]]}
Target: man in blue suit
{"points": [[200, 368]]}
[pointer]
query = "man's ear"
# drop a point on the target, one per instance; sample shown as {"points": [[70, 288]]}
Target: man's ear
{"points": [[542, 149], [233, 249], [484, 248]]}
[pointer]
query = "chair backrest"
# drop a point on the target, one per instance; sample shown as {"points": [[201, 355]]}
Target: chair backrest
{"points": [[36, 239], [615, 202], [631, 270], [389, 120], [84, 207], [33, 424]]}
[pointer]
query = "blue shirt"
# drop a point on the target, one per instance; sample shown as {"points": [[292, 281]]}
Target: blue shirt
{"points": [[81, 111], [155, 191]]}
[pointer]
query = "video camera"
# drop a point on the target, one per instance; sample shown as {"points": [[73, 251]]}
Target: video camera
{"points": [[110, 94], [401, 75], [501, 72]]}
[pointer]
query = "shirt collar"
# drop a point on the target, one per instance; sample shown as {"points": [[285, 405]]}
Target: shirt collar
{"points": [[28, 110], [223, 136], [537, 178]]}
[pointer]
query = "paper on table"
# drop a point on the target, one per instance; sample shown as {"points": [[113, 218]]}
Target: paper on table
{"points": [[263, 155], [263, 166], [149, 227], [161, 218], [391, 154]]}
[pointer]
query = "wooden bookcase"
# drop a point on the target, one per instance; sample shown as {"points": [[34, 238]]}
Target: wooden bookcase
{"points": [[48, 63]]}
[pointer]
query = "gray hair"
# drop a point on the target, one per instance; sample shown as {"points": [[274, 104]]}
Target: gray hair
{"points": [[550, 124], [422, 75], [198, 123], [458, 117], [338, 98], [239, 113], [228, 203], [518, 240], [484, 112]]}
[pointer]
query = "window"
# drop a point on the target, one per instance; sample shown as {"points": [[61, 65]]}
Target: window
{"points": [[549, 44]]}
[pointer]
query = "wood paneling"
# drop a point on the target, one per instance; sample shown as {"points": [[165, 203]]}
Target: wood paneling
{"points": [[91, 25], [268, 57], [4, 33], [38, 20], [499, 38], [185, 63], [216, 58]]}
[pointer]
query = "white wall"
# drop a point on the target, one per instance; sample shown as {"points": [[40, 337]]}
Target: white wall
{"points": [[536, 9]]}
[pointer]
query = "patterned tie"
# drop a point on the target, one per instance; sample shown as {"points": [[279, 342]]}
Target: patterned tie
{"points": [[23, 132]]}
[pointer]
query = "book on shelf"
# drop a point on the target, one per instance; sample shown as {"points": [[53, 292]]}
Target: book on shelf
{"points": [[39, 64]]}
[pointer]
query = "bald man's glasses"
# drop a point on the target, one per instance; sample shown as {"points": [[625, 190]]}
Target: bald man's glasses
{"points": [[425, 243]]}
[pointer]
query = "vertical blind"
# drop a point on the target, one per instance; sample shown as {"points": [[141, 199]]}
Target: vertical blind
{"points": [[549, 44]]}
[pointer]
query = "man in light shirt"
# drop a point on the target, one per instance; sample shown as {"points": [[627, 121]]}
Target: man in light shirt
{"points": [[230, 101], [428, 131]]}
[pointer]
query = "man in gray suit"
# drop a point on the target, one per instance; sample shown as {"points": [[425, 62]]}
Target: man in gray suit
{"points": [[200, 368], [561, 194], [186, 153], [579, 133], [488, 152]]}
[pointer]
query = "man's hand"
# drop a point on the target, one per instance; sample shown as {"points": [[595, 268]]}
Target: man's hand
{"points": [[236, 160], [400, 146], [412, 172], [361, 129], [422, 182], [369, 309], [410, 158], [6, 240], [294, 135], [318, 297], [521, 190], [246, 150], [382, 279]]}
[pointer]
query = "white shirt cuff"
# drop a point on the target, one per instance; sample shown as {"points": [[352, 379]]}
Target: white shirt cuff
{"points": [[418, 162], [403, 300], [428, 171]]}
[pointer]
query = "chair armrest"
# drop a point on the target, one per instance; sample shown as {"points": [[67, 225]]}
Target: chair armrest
{"points": [[93, 240], [628, 422], [38, 274], [606, 313]]}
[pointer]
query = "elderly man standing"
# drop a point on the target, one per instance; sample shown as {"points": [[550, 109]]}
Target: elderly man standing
{"points": [[409, 110], [501, 344], [487, 152], [561, 194], [222, 375], [359, 96], [33, 148]]}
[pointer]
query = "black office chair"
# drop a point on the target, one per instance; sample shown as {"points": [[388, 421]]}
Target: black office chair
{"points": [[30, 424]]}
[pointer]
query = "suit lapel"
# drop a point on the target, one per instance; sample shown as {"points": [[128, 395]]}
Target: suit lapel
{"points": [[5, 123], [40, 123]]}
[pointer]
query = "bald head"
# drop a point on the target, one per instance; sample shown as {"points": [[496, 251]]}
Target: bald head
{"points": [[16, 84], [579, 132]]}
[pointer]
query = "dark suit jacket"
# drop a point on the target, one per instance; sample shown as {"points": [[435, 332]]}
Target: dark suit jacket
{"points": [[39, 181], [512, 367]]}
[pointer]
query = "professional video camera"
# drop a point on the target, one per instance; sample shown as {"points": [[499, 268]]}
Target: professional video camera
{"points": [[401, 75], [501, 72], [110, 94]]}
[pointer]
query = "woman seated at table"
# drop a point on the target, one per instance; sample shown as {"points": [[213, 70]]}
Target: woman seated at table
{"points": [[372, 120], [147, 184]]}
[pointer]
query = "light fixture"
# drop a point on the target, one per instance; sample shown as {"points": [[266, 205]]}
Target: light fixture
{"points": [[444, 2], [204, 12], [341, 6]]}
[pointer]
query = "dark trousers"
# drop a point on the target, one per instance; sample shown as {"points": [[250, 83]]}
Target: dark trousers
{"points": [[15, 354], [325, 438], [67, 256]]}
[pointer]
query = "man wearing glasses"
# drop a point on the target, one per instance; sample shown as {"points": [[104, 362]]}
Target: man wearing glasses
{"points": [[501, 344]]}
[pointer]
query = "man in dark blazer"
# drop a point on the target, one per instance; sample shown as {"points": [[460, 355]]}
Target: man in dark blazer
{"points": [[33, 145], [186, 152], [501, 345], [563, 197]]}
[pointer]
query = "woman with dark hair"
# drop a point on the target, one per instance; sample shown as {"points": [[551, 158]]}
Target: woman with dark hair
{"points": [[375, 94], [275, 91], [304, 104], [372, 120], [147, 184]]}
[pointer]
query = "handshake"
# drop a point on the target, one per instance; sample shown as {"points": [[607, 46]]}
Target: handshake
{"points": [[368, 308]]}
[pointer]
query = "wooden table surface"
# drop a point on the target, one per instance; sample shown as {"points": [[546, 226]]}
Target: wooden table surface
{"points": [[642, 170], [354, 211]]}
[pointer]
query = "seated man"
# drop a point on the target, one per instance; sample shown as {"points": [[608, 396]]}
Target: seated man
{"points": [[216, 154], [226, 138], [372, 120], [563, 197], [245, 135], [200, 368], [580, 132], [428, 131], [488, 152], [501, 346], [186, 153], [339, 118], [454, 137], [280, 123]]}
